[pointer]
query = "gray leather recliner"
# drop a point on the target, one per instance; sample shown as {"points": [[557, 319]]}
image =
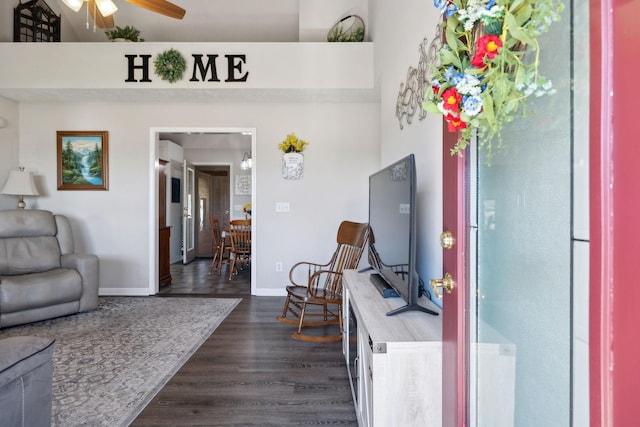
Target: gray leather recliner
{"points": [[26, 376], [40, 275]]}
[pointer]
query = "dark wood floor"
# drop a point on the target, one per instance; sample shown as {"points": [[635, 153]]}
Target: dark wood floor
{"points": [[194, 279], [250, 372]]}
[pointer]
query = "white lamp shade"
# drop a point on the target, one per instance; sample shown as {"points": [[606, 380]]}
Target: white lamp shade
{"points": [[74, 5], [106, 7], [20, 183]]}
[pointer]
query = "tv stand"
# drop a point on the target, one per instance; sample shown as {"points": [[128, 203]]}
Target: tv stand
{"points": [[396, 371]]}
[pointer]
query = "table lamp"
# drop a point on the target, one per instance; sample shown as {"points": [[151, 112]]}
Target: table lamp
{"points": [[20, 183]]}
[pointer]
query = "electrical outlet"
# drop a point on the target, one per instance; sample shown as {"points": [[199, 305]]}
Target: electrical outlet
{"points": [[282, 206], [279, 266]]}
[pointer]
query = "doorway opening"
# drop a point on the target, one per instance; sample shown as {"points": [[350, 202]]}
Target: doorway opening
{"points": [[203, 166]]}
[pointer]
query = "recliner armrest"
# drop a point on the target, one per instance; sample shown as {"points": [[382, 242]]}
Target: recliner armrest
{"points": [[88, 267]]}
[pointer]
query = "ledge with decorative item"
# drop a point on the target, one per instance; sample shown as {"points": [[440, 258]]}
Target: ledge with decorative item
{"points": [[485, 74]]}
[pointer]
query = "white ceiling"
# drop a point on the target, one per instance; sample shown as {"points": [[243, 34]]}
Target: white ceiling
{"points": [[204, 21]]}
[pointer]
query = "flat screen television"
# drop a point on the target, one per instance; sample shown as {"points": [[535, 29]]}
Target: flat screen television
{"points": [[392, 238]]}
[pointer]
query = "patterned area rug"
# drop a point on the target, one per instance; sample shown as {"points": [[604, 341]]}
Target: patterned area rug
{"points": [[108, 364]]}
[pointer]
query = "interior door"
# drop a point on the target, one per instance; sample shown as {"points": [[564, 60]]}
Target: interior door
{"points": [[507, 324], [188, 213]]}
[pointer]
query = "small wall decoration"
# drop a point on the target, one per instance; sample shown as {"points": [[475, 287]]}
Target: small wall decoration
{"points": [[83, 160], [243, 185], [170, 65], [411, 94], [292, 159]]}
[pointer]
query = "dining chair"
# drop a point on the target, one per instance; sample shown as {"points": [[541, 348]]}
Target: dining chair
{"points": [[319, 286], [220, 246], [240, 236]]}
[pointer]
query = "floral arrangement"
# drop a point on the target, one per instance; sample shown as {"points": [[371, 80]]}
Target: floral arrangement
{"points": [[292, 144], [247, 208], [483, 77], [170, 65]]}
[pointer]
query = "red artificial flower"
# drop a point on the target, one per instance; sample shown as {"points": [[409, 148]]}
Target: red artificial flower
{"points": [[486, 46], [489, 45], [451, 99], [478, 60], [454, 123]]}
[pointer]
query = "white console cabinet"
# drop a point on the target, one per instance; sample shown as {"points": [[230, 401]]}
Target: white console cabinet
{"points": [[394, 362]]}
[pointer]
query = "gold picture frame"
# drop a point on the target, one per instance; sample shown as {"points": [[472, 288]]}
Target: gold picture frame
{"points": [[83, 160]]}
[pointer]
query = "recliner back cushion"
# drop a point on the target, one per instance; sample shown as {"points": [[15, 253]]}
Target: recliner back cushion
{"points": [[20, 255], [26, 223], [27, 242]]}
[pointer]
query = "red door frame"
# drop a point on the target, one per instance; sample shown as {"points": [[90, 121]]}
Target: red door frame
{"points": [[614, 208], [454, 319]]}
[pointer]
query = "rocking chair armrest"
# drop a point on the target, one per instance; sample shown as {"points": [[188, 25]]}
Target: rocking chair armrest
{"points": [[299, 277], [329, 276]]}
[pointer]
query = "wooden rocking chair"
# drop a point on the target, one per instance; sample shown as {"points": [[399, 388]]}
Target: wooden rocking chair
{"points": [[316, 289]]}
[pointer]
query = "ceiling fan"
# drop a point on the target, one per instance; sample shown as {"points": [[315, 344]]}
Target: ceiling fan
{"points": [[102, 10]]}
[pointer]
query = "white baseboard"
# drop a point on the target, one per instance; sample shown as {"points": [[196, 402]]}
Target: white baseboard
{"points": [[271, 292], [123, 292], [143, 292]]}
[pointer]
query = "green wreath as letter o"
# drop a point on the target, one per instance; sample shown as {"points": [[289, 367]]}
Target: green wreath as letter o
{"points": [[170, 65]]}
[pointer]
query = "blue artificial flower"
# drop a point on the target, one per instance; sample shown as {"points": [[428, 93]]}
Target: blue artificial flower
{"points": [[450, 72], [451, 9], [472, 105], [441, 4], [490, 4]]}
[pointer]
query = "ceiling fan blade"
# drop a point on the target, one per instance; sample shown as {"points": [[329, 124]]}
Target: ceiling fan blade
{"points": [[162, 7], [103, 22]]}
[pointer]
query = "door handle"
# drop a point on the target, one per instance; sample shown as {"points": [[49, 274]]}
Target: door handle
{"points": [[445, 283]]}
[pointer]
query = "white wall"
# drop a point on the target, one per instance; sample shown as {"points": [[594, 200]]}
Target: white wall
{"points": [[397, 29], [114, 224], [9, 139]]}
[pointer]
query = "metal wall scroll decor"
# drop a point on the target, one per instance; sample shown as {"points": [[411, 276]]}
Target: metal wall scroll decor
{"points": [[411, 93]]}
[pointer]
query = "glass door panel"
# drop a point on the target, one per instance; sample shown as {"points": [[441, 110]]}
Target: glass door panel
{"points": [[520, 299]]}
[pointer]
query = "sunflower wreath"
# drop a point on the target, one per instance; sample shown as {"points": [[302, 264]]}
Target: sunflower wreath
{"points": [[170, 65], [484, 75]]}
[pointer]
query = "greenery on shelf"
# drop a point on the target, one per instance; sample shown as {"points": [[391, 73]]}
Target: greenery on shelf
{"points": [[127, 33], [338, 34], [348, 29]]}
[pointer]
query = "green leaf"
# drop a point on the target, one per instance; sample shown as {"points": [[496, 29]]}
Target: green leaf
{"points": [[452, 40], [430, 107], [517, 32], [447, 57], [487, 108], [523, 15], [515, 6]]}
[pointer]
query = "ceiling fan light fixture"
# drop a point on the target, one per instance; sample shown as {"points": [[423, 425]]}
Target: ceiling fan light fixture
{"points": [[74, 5], [106, 7]]}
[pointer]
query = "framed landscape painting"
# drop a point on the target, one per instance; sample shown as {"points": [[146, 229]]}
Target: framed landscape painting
{"points": [[83, 160]]}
